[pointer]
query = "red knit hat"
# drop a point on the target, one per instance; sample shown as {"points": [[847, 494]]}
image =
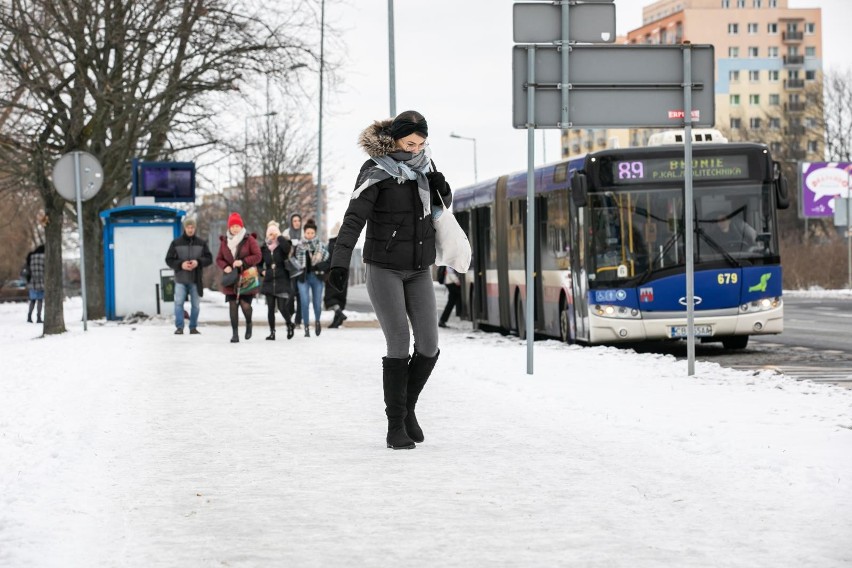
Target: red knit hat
{"points": [[235, 219]]}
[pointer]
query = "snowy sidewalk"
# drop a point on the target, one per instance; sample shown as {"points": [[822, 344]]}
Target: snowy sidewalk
{"points": [[129, 446]]}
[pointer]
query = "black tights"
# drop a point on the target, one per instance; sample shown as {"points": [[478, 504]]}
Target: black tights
{"points": [[245, 305], [283, 305], [33, 305]]}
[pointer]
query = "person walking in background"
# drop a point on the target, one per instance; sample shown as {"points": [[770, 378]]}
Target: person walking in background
{"points": [[276, 280], [238, 251], [293, 233], [396, 195], [34, 275], [335, 299], [187, 256], [311, 257], [452, 282]]}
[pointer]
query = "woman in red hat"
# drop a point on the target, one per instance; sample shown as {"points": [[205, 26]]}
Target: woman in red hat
{"points": [[238, 251]]}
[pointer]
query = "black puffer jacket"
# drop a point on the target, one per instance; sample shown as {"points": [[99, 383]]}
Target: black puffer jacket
{"points": [[398, 235], [276, 279]]}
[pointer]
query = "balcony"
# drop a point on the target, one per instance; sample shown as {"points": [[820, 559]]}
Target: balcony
{"points": [[794, 60], [794, 84], [791, 37], [794, 107], [794, 131]]}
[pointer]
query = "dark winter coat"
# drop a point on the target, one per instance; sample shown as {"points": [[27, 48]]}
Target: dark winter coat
{"points": [[34, 269], [331, 296], [189, 248], [276, 278], [398, 236], [247, 251]]}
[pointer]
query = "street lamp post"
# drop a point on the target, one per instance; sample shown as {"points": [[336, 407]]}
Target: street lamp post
{"points": [[454, 135], [319, 150], [391, 61]]}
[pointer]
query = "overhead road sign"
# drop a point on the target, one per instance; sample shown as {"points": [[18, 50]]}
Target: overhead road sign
{"points": [[619, 86], [591, 22]]}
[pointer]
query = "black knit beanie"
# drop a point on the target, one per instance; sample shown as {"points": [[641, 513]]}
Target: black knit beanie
{"points": [[408, 122]]}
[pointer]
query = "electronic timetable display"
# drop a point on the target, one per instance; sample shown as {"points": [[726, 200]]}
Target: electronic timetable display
{"points": [[647, 170]]}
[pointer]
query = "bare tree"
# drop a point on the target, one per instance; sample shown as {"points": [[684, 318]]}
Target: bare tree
{"points": [[123, 79], [837, 115]]}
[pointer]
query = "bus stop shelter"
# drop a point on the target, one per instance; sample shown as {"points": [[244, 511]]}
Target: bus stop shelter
{"points": [[136, 239]]}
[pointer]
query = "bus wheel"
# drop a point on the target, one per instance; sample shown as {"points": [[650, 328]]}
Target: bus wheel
{"points": [[520, 319], [735, 341], [564, 324]]}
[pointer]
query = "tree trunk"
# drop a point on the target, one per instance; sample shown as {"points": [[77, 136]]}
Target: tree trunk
{"points": [[54, 315], [94, 249]]}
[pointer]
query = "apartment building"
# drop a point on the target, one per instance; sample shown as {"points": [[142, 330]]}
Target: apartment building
{"points": [[767, 55]]}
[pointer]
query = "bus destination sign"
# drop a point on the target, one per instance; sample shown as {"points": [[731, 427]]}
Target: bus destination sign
{"points": [[672, 169]]}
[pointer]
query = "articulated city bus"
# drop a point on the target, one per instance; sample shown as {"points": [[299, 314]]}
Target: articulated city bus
{"points": [[610, 256]]}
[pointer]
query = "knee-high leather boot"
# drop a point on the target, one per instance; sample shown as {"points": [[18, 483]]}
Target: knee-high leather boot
{"points": [[419, 370], [395, 382]]}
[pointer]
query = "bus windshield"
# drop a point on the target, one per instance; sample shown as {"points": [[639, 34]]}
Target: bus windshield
{"points": [[635, 232]]}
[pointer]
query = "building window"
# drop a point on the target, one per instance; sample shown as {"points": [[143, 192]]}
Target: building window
{"points": [[775, 147], [740, 3], [773, 75], [754, 100], [772, 28], [752, 52], [772, 51], [810, 28], [734, 76], [774, 99], [752, 28], [726, 3], [754, 123], [811, 122], [733, 29], [733, 52], [754, 76], [810, 51], [813, 146], [810, 75], [736, 123], [756, 3], [775, 123], [735, 100], [773, 3]]}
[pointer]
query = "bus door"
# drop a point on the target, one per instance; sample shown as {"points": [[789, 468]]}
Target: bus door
{"points": [[463, 217], [500, 220], [538, 314], [481, 231], [580, 278]]}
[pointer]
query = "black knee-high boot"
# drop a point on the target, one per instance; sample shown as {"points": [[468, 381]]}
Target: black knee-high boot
{"points": [[30, 313], [232, 311], [270, 316], [419, 370], [395, 382], [38, 311], [284, 308], [246, 307]]}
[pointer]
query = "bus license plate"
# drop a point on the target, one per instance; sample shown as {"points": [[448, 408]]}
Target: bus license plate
{"points": [[676, 331]]}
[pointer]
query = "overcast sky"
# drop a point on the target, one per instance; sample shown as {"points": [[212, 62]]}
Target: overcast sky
{"points": [[453, 64]]}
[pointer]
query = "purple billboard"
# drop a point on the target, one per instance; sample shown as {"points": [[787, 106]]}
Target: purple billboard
{"points": [[821, 183]]}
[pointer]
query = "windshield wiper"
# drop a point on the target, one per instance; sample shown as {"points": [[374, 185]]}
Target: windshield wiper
{"points": [[660, 255], [718, 248]]}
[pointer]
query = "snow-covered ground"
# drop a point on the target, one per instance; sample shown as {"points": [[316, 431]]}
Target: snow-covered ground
{"points": [[129, 446]]}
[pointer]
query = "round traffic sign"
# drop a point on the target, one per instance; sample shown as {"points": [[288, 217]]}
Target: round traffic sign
{"points": [[91, 176]]}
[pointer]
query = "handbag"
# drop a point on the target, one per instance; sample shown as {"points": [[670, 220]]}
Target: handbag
{"points": [[249, 280], [451, 245], [230, 279]]}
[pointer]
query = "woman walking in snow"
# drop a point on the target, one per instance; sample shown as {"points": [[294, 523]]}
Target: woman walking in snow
{"points": [[276, 280], [238, 251], [396, 196]]}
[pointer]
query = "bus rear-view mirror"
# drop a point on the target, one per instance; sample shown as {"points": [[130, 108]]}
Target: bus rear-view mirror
{"points": [[579, 188]]}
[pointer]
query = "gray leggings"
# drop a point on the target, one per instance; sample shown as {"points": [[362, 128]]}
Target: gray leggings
{"points": [[399, 296]]}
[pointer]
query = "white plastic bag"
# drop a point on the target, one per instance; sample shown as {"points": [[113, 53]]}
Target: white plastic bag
{"points": [[451, 245]]}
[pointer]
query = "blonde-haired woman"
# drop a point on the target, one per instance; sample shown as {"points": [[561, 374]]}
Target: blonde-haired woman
{"points": [[274, 252]]}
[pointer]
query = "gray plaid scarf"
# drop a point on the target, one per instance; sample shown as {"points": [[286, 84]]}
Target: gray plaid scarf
{"points": [[402, 166]]}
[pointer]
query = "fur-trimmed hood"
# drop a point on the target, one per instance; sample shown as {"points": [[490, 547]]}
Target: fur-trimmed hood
{"points": [[375, 139]]}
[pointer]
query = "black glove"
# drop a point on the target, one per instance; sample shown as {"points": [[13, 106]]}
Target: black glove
{"points": [[437, 182], [338, 277]]}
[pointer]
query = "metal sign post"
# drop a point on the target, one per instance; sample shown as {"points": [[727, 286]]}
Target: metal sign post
{"points": [[688, 200], [78, 176], [530, 285]]}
